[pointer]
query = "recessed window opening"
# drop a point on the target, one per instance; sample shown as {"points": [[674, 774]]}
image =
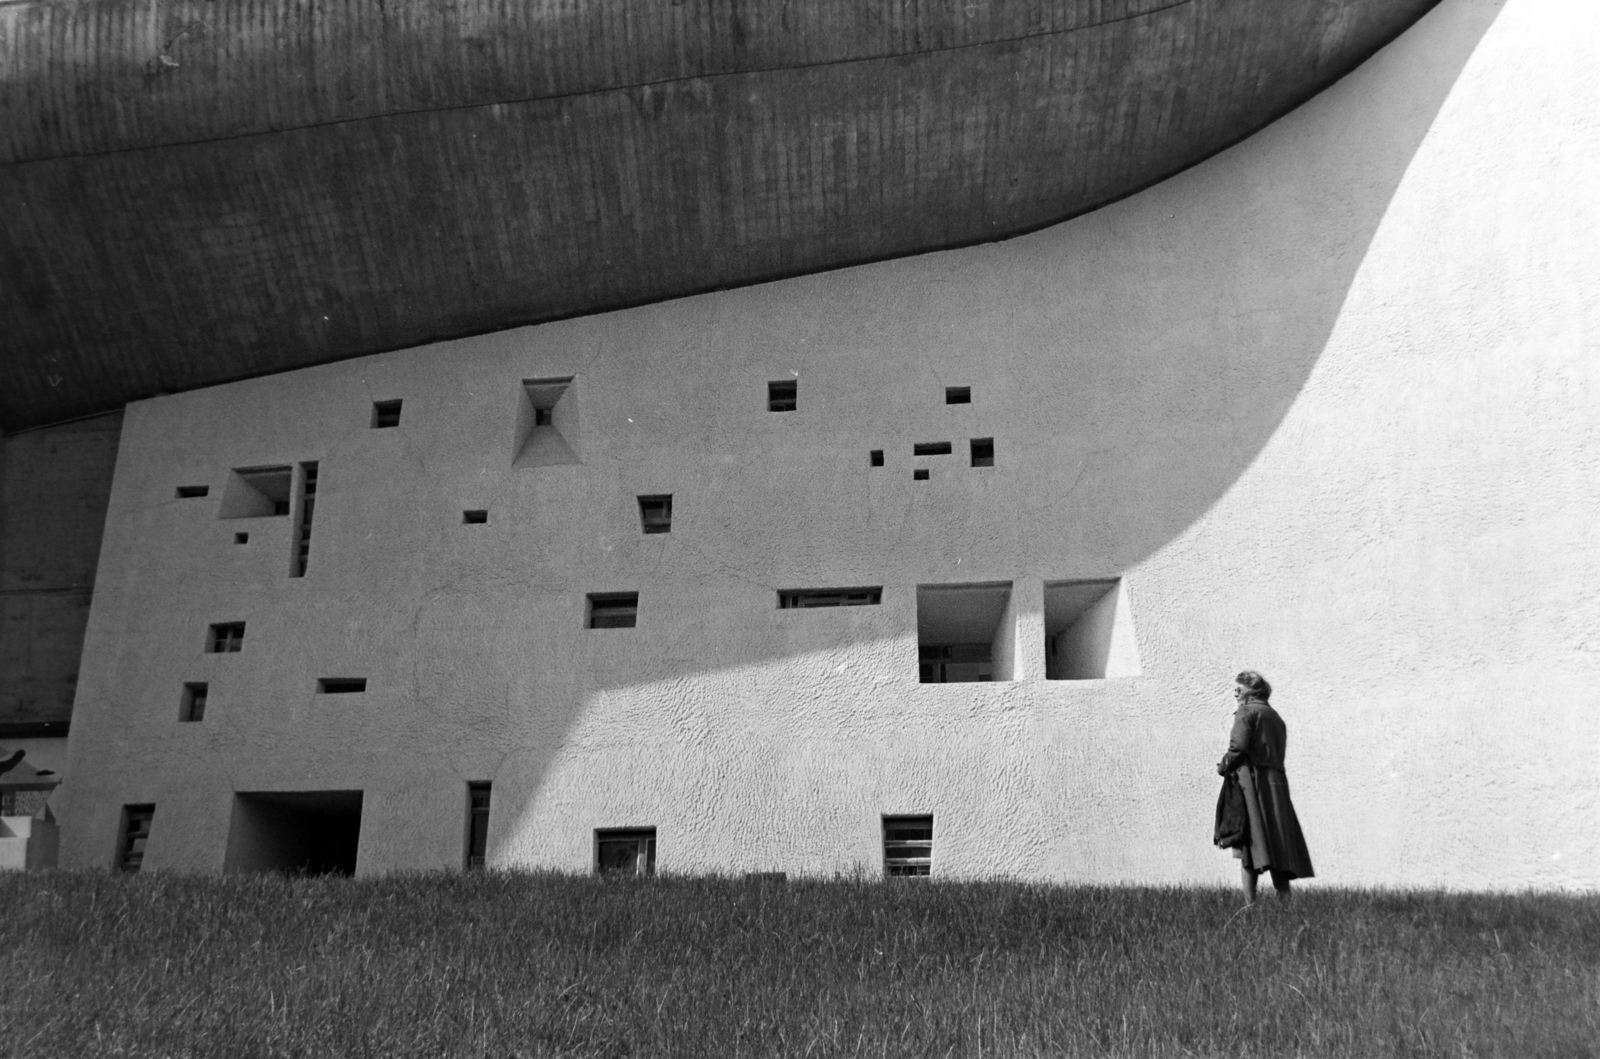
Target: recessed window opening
{"points": [[136, 821], [625, 851], [192, 492], [783, 396], [931, 448], [547, 423], [474, 517], [241, 538], [1088, 631], [907, 846], [294, 832], [256, 492], [385, 414], [308, 504], [225, 638], [655, 513], [477, 825], [805, 598], [875, 458], [613, 610], [341, 685], [983, 452], [192, 706], [919, 475], [958, 395], [964, 633]]}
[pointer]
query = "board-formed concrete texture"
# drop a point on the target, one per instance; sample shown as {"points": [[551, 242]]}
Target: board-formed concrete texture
{"points": [[1325, 405]]}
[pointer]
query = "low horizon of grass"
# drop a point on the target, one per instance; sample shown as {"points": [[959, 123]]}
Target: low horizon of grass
{"points": [[506, 963]]}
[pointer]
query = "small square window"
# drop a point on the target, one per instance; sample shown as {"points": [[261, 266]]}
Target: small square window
{"points": [[783, 396], [544, 417], [241, 538], [385, 414], [920, 475], [983, 452], [613, 610], [907, 846], [192, 492], [342, 685], [625, 852], [226, 638], [474, 518], [875, 458], [958, 395], [655, 513], [193, 707], [136, 820]]}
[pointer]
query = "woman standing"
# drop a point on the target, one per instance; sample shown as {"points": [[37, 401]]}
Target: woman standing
{"points": [[1255, 755]]}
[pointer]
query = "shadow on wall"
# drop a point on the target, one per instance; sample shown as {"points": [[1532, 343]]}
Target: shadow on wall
{"points": [[1161, 339]]}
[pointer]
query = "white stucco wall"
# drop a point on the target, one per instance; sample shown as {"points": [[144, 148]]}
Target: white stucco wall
{"points": [[1326, 404]]}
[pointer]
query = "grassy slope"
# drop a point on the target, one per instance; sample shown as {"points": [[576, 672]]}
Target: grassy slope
{"points": [[510, 964]]}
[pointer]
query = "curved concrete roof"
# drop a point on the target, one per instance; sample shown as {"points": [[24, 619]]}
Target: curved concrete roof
{"points": [[204, 190]]}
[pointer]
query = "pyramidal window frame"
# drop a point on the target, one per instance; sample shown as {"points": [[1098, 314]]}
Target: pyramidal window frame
{"points": [[547, 423]]}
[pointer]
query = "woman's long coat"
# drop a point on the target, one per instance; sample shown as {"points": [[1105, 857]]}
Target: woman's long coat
{"points": [[1255, 752]]}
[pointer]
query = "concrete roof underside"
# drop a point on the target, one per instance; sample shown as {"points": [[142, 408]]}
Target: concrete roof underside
{"points": [[197, 191]]}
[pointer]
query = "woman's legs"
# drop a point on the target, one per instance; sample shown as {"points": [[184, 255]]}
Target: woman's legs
{"points": [[1248, 879]]}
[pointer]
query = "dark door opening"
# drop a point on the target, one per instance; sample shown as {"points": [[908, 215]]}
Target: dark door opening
{"points": [[296, 832]]}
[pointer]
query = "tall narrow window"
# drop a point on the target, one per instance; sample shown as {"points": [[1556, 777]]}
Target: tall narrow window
{"points": [[783, 396], [385, 414], [477, 824], [907, 845], [193, 705], [302, 535], [135, 832], [983, 452], [625, 852], [226, 638], [655, 513]]}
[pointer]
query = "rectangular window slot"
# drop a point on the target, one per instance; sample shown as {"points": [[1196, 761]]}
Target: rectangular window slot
{"points": [[783, 396], [907, 846], [341, 685], [875, 457], [477, 825], [241, 538], [193, 705], [474, 518], [919, 475], [804, 598], [655, 513], [964, 633], [256, 492], [613, 610], [192, 492], [308, 504], [983, 452], [931, 448], [958, 395], [630, 851], [226, 638], [385, 414], [136, 820]]}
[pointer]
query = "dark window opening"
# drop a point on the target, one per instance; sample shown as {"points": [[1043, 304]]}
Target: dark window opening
{"points": [[629, 851], [783, 396], [803, 598], [613, 610], [385, 414], [477, 825], [295, 832], [964, 633], [919, 475], [136, 820], [193, 706], [226, 638], [192, 492], [907, 846], [931, 448], [875, 457], [256, 492], [547, 423], [983, 452], [544, 417], [474, 518], [342, 685], [958, 395], [241, 538], [655, 513], [308, 504]]}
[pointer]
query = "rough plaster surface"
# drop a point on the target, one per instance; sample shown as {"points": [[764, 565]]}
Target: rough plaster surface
{"points": [[1326, 403]]}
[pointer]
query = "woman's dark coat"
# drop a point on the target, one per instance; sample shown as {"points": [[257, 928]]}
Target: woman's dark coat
{"points": [[1255, 754]]}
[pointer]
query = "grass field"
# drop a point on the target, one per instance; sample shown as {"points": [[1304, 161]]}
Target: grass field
{"points": [[503, 964]]}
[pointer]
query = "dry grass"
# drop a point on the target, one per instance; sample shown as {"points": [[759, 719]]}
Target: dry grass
{"points": [[504, 964]]}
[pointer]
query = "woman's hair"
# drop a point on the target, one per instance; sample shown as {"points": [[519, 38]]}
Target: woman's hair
{"points": [[1254, 683]]}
